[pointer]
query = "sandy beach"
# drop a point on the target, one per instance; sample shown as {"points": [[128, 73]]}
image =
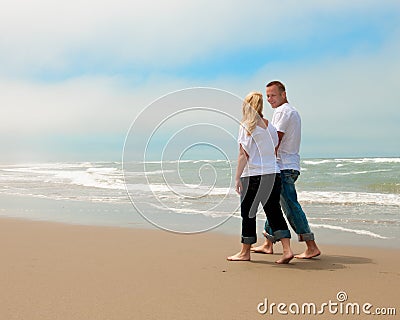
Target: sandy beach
{"points": [[60, 271]]}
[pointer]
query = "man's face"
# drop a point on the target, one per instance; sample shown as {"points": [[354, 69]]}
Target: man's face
{"points": [[275, 97]]}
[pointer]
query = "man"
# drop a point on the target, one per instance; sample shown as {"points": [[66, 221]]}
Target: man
{"points": [[287, 121]]}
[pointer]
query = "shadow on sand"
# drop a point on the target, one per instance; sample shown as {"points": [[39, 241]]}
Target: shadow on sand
{"points": [[324, 262]]}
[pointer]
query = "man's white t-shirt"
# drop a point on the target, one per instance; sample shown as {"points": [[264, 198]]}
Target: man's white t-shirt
{"points": [[286, 119], [260, 146]]}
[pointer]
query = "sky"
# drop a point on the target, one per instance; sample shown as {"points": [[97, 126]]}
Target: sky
{"points": [[74, 75]]}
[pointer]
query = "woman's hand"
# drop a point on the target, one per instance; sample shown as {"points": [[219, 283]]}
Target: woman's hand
{"points": [[238, 186], [242, 161]]}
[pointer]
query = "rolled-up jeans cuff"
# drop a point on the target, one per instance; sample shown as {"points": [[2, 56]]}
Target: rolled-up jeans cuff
{"points": [[306, 236], [269, 237], [249, 240], [279, 234]]}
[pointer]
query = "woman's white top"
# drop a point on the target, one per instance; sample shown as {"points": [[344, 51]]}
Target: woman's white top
{"points": [[260, 146]]}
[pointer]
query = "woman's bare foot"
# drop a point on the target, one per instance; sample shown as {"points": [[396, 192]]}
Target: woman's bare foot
{"points": [[287, 252], [243, 255], [239, 257]]}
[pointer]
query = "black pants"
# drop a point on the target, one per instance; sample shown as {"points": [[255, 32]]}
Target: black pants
{"points": [[264, 189]]}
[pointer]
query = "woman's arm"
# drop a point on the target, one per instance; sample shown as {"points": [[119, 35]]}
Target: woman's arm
{"points": [[242, 161]]}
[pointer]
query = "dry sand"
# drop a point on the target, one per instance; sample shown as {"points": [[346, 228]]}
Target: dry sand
{"points": [[57, 271]]}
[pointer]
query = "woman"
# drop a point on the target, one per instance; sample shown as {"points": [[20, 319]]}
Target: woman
{"points": [[258, 180]]}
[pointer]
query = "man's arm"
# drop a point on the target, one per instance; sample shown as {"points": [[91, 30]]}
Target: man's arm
{"points": [[280, 136]]}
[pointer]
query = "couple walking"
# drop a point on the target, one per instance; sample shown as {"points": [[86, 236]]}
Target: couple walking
{"points": [[268, 167]]}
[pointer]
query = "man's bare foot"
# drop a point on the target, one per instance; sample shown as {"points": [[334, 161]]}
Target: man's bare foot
{"points": [[286, 257], [239, 257], [308, 254], [266, 247], [263, 249]]}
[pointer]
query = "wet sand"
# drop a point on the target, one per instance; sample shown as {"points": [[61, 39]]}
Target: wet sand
{"points": [[60, 271]]}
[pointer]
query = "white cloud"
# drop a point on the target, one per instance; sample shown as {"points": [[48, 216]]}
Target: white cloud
{"points": [[349, 105], [57, 35], [76, 105], [347, 92], [331, 93]]}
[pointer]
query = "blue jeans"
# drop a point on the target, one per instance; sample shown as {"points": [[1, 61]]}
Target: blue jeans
{"points": [[291, 207]]}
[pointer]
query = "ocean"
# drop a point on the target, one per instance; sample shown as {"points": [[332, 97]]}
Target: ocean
{"points": [[346, 200]]}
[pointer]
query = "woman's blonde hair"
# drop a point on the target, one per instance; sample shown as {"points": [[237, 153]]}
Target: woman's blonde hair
{"points": [[252, 110]]}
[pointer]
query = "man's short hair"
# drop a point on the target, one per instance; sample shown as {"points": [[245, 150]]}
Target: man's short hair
{"points": [[279, 84]]}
